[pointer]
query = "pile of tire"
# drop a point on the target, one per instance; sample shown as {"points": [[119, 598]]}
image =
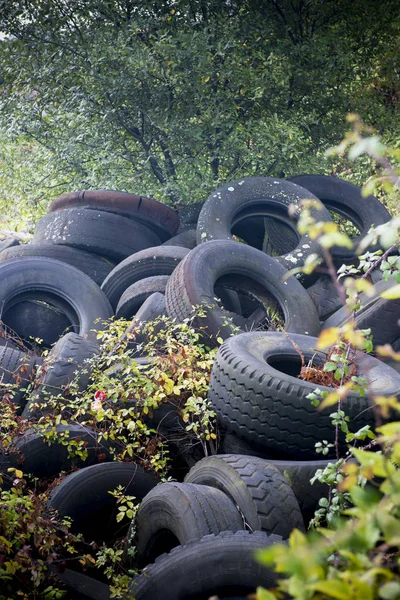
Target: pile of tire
{"points": [[97, 254]]}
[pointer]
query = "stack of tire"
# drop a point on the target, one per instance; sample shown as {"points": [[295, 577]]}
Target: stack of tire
{"points": [[99, 253]]}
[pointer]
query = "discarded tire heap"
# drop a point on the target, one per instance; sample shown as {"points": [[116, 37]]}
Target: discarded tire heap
{"points": [[100, 253]]}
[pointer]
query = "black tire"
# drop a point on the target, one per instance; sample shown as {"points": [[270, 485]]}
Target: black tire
{"points": [[258, 489], [17, 372], [134, 296], [157, 216], [257, 197], [8, 242], [66, 362], [174, 513], [80, 586], [38, 320], [347, 200], [231, 444], [325, 297], [59, 284], [380, 315], [222, 565], [95, 266], [192, 283], [99, 232], [152, 308], [44, 460], [189, 215], [298, 474], [84, 497], [281, 237], [147, 263], [185, 239], [255, 390]]}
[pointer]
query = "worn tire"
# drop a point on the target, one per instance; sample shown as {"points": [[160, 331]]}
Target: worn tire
{"points": [[267, 405], [258, 489], [44, 460], [95, 231], [152, 308], [84, 497], [192, 283], [18, 370], [62, 365], [378, 314], [6, 243], [185, 239], [347, 200], [62, 285], [155, 215], [80, 586], [174, 513], [147, 263], [223, 565], [134, 296], [257, 197]]}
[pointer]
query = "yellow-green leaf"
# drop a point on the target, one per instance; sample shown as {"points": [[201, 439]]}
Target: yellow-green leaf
{"points": [[327, 338], [392, 293]]}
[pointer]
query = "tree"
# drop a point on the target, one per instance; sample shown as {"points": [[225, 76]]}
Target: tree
{"points": [[172, 98]]}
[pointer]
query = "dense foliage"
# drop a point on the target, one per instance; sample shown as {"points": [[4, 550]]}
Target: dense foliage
{"points": [[172, 98]]}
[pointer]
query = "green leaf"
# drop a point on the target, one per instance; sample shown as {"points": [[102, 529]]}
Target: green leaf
{"points": [[390, 591], [333, 588], [392, 293]]}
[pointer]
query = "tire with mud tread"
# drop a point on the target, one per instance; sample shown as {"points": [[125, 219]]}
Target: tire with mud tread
{"points": [[258, 197], [173, 513], [155, 215], [216, 565], [259, 490], [255, 390], [212, 263], [95, 266], [95, 231], [147, 263]]}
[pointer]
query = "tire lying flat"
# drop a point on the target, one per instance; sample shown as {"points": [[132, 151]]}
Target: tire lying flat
{"points": [[255, 390]]}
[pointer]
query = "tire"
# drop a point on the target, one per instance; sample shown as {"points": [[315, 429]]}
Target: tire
{"points": [[134, 296], [192, 283], [43, 460], [152, 308], [257, 488], [217, 565], [96, 267], [80, 586], [84, 497], [38, 320], [147, 263], [298, 474], [17, 372], [189, 215], [266, 405], [325, 297], [174, 513], [157, 216], [281, 237], [8, 242], [347, 200], [231, 444], [257, 197], [380, 315], [185, 239], [61, 285], [95, 231], [63, 365]]}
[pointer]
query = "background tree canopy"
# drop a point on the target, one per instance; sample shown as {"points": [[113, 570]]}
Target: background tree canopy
{"points": [[172, 98]]}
